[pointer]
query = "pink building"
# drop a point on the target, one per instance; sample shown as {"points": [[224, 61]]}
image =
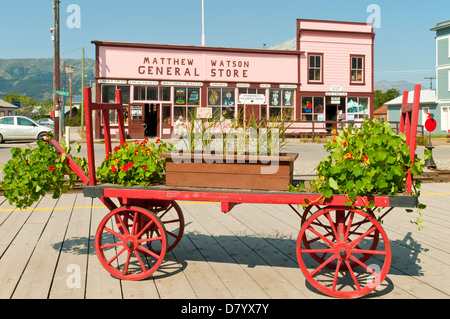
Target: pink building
{"points": [[336, 70], [326, 74]]}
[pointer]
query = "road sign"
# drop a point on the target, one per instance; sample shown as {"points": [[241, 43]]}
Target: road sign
{"points": [[430, 123], [61, 93]]}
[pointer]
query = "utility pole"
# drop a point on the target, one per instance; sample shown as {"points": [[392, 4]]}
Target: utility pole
{"points": [[64, 97], [82, 89], [431, 78], [69, 69], [56, 70]]}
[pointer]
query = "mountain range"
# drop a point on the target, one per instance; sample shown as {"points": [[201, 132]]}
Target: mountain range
{"points": [[34, 78]]}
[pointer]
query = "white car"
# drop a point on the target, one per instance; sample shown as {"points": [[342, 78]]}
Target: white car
{"points": [[21, 128]]}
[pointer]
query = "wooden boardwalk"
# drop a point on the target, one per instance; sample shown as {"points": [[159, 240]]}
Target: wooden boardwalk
{"points": [[47, 252]]}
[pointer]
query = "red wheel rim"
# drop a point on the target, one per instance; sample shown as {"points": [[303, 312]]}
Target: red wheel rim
{"points": [[122, 240], [172, 218], [357, 278], [355, 230]]}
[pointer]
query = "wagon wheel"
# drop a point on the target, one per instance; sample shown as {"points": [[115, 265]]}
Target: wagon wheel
{"points": [[357, 227], [344, 248], [122, 250], [173, 220]]}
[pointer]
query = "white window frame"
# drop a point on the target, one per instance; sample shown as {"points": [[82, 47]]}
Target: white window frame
{"points": [[445, 118]]}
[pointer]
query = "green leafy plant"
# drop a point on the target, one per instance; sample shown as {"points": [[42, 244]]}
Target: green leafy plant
{"points": [[135, 163], [371, 160], [31, 173]]}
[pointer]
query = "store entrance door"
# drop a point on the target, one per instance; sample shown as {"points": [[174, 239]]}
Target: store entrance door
{"points": [[152, 112], [136, 120]]}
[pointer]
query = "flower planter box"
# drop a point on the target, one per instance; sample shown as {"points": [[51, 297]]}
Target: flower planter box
{"points": [[230, 171]]}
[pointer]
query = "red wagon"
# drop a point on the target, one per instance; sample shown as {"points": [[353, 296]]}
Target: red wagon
{"points": [[342, 251]]}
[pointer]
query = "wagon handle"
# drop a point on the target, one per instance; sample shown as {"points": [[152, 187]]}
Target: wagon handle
{"points": [[104, 108], [408, 125]]}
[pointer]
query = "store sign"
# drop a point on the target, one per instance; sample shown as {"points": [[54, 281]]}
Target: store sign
{"points": [[335, 88], [252, 99], [196, 65], [136, 111]]}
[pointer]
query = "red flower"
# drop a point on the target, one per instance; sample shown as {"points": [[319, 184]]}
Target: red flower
{"points": [[136, 152], [147, 150], [125, 144], [116, 149], [144, 167], [130, 164], [113, 169], [136, 142], [345, 143], [157, 141], [125, 168], [366, 159], [51, 167], [145, 141]]}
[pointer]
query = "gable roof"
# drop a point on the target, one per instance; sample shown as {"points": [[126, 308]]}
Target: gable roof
{"points": [[3, 103], [426, 97]]}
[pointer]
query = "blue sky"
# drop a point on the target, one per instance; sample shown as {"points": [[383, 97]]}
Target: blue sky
{"points": [[404, 44]]}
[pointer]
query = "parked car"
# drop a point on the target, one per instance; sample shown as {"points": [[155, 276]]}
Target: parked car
{"points": [[46, 121], [21, 128]]}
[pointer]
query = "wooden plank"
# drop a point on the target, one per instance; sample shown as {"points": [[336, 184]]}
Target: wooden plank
{"points": [[99, 282], [37, 278], [74, 254], [15, 259]]}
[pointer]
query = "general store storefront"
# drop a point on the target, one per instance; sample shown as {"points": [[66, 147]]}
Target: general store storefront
{"points": [[159, 83]]}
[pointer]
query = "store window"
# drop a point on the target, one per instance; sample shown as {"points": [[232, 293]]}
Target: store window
{"points": [[281, 104], [313, 108], [186, 99], [222, 101], [315, 68], [109, 96], [151, 93], [357, 108], [357, 70]]}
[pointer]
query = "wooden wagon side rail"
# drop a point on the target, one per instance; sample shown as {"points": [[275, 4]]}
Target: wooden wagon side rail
{"points": [[229, 198]]}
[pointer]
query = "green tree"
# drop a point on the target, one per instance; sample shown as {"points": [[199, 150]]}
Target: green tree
{"points": [[382, 97]]}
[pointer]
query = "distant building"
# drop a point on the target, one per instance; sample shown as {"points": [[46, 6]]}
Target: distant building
{"points": [[442, 113], [7, 108]]}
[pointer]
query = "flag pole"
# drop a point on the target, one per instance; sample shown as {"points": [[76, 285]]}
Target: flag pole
{"points": [[203, 23]]}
